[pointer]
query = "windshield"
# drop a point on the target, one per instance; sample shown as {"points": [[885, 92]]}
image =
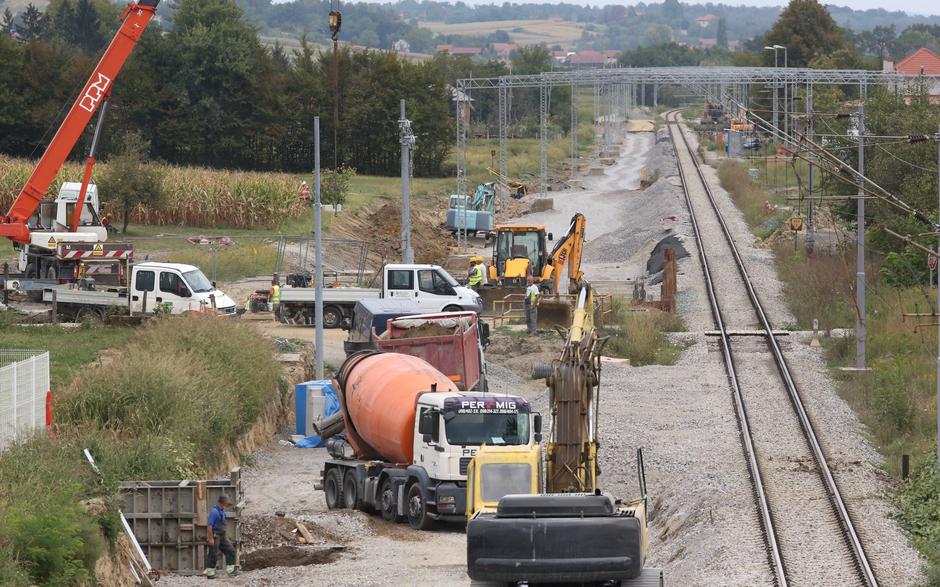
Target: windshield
{"points": [[447, 278], [501, 479], [513, 245], [486, 428], [197, 281]]}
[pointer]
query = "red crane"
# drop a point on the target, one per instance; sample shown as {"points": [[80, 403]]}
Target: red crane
{"points": [[134, 21]]}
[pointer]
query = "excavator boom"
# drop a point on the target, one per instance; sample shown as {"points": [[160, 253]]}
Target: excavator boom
{"points": [[135, 19], [568, 251]]}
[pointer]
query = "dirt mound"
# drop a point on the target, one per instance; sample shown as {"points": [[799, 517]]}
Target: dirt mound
{"points": [[290, 556], [519, 353], [260, 532], [381, 223]]}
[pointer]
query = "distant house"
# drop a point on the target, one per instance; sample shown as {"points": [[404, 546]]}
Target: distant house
{"points": [[401, 46], [705, 21], [708, 43], [561, 56], [468, 51], [590, 59], [922, 62], [462, 105], [504, 50], [443, 48]]}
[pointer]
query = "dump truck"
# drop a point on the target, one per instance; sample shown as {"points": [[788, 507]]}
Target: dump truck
{"points": [[429, 287], [172, 288], [409, 437], [452, 342]]}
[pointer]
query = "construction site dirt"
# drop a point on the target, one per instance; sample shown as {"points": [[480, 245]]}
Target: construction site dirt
{"points": [[704, 527]]}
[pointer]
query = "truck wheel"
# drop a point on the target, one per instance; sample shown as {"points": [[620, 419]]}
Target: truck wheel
{"points": [[387, 502], [333, 489], [351, 491], [91, 314], [332, 317], [418, 508]]}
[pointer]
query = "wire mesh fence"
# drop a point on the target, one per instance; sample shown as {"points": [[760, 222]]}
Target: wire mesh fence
{"points": [[24, 391]]}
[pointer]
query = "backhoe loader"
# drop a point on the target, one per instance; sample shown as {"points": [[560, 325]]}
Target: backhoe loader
{"points": [[521, 251], [526, 527]]}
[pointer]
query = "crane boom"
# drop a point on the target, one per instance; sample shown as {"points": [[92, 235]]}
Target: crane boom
{"points": [[135, 19]]}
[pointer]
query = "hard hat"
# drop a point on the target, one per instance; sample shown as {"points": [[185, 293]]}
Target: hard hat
{"points": [[477, 259]]}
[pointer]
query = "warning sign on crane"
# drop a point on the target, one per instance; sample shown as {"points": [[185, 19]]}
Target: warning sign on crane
{"points": [[51, 242], [932, 262], [98, 251]]}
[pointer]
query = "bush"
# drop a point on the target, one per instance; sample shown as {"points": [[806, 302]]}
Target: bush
{"points": [[199, 381], [639, 335], [919, 514]]}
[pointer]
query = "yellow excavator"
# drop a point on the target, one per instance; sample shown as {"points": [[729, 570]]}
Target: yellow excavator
{"points": [[524, 527]]}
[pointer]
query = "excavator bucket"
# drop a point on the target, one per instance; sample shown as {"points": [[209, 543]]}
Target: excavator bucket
{"points": [[554, 312]]}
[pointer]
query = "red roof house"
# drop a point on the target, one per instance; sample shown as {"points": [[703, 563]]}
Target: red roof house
{"points": [[921, 62]]}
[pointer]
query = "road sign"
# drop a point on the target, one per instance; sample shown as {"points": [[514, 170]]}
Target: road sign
{"points": [[932, 262]]}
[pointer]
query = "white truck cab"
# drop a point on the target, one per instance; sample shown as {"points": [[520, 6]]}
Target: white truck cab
{"points": [[179, 288], [430, 287]]}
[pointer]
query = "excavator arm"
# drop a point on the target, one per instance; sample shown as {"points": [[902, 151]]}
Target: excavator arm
{"points": [[572, 382], [568, 251], [135, 19]]}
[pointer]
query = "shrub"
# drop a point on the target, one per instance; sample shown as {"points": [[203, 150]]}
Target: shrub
{"points": [[639, 335]]}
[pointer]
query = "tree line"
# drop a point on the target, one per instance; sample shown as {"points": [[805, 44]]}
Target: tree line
{"points": [[204, 90]]}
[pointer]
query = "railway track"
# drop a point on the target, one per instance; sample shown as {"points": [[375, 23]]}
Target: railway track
{"points": [[807, 529]]}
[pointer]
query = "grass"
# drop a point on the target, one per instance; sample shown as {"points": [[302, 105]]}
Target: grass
{"points": [[181, 391], [70, 349], [525, 32], [639, 335]]}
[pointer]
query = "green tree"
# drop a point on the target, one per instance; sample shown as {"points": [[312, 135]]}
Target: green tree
{"points": [[35, 24], [722, 33], [130, 180], [88, 23], [808, 31], [672, 10], [6, 22]]}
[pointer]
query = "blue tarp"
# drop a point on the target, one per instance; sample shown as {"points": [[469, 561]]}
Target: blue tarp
{"points": [[331, 406]]}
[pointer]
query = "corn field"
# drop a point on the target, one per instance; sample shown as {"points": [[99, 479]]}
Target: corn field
{"points": [[190, 196]]}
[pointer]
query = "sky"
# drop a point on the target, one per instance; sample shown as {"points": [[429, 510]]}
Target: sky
{"points": [[909, 6]]}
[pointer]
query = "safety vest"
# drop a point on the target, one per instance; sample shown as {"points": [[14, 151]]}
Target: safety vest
{"points": [[532, 292], [275, 294], [477, 276]]}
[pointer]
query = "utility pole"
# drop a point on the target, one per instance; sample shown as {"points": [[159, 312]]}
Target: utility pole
{"points": [[810, 228], [318, 259], [938, 305], [335, 23], [860, 239], [407, 142]]}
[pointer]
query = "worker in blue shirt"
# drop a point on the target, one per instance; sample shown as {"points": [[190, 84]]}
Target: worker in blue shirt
{"points": [[217, 540]]}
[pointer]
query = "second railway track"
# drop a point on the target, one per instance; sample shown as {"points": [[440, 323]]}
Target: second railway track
{"points": [[809, 533]]}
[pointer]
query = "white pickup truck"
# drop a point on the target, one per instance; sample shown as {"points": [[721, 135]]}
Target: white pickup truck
{"points": [[172, 287], [429, 287]]}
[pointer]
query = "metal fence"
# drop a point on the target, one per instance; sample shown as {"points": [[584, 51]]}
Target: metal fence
{"points": [[24, 394]]}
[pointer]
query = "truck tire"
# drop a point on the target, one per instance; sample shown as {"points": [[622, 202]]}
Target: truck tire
{"points": [[351, 495], [90, 314], [332, 317], [388, 504], [333, 489], [418, 517]]}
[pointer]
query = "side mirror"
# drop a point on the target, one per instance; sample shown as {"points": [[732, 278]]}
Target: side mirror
{"points": [[551, 237], [214, 286], [426, 438], [537, 424]]}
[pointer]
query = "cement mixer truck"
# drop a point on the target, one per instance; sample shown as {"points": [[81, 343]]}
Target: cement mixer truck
{"points": [[409, 437]]}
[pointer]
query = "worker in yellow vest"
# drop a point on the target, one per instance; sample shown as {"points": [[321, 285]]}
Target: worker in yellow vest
{"points": [[274, 294], [477, 274], [531, 304]]}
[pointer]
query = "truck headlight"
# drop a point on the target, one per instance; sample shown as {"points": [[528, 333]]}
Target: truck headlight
{"points": [[446, 500]]}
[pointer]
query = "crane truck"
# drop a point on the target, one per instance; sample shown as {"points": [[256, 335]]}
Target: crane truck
{"points": [[523, 529], [409, 437], [52, 243]]}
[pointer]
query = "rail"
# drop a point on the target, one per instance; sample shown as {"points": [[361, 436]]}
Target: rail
{"points": [[861, 560]]}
